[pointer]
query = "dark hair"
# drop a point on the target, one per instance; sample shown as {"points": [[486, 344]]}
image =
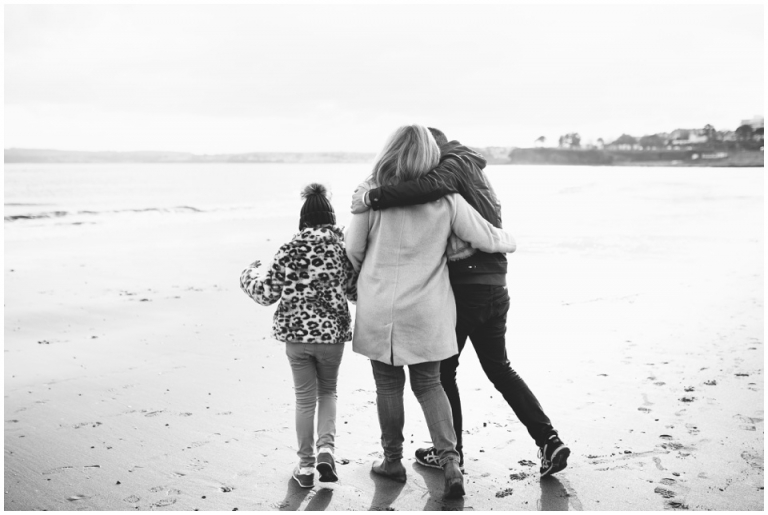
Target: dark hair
{"points": [[439, 136]]}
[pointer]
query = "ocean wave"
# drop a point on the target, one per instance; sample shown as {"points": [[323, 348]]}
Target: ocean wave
{"points": [[59, 214]]}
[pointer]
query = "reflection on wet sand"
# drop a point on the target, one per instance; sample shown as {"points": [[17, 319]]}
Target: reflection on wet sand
{"points": [[435, 483], [385, 493]]}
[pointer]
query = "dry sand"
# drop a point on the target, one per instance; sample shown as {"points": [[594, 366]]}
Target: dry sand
{"points": [[138, 376]]}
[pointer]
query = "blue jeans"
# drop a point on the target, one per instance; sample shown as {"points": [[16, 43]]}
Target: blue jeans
{"points": [[481, 316], [425, 383], [315, 370]]}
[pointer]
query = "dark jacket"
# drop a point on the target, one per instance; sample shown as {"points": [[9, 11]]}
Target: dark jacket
{"points": [[460, 171]]}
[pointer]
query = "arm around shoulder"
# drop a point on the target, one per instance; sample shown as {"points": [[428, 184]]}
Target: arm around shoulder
{"points": [[471, 227]]}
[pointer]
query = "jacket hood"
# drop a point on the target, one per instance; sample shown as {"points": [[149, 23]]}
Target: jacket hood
{"points": [[327, 233], [454, 148]]}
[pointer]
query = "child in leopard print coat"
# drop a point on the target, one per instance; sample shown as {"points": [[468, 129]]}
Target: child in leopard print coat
{"points": [[313, 278]]}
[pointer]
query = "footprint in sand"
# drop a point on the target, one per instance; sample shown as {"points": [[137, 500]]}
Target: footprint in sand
{"points": [[163, 502], [57, 470], [754, 460], [132, 499], [657, 461], [748, 422], [83, 424], [197, 464], [156, 489], [644, 410], [667, 494], [668, 481]]}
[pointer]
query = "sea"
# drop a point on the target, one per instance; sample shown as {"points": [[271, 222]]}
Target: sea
{"points": [[550, 206]]}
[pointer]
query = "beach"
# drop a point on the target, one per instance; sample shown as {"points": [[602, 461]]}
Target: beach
{"points": [[139, 377]]}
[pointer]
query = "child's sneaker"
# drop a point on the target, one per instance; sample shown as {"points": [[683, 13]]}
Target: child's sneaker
{"points": [[428, 457], [326, 467], [554, 456], [304, 476]]}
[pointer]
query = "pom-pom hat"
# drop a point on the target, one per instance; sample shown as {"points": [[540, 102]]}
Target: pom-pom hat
{"points": [[317, 209]]}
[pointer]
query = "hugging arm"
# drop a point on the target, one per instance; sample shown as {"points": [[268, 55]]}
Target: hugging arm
{"points": [[438, 182], [471, 227], [268, 290]]}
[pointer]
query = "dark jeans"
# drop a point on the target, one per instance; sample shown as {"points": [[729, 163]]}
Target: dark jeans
{"points": [[482, 317]]}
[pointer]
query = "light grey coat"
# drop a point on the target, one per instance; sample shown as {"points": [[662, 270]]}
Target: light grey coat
{"points": [[406, 313]]}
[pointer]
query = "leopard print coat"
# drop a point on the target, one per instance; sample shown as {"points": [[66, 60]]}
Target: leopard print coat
{"points": [[313, 278]]}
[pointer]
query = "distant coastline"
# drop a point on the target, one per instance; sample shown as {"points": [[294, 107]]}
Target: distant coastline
{"points": [[494, 155], [606, 157]]}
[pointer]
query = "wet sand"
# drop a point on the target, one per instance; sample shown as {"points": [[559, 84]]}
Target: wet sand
{"points": [[138, 376]]}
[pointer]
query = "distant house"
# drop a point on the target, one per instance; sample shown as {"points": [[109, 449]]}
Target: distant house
{"points": [[686, 137], [624, 142], [653, 142]]}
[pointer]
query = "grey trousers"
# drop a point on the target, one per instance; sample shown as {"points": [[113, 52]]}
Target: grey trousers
{"points": [[315, 370]]}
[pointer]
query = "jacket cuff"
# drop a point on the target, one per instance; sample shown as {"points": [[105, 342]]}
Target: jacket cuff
{"points": [[374, 197]]}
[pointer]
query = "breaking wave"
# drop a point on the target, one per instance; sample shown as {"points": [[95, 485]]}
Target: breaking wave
{"points": [[59, 214]]}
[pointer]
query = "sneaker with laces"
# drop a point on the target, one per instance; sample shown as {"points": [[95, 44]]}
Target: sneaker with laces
{"points": [[554, 456], [326, 467], [304, 476], [428, 457]]}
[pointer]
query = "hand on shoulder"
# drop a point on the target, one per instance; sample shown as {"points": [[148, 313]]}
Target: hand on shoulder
{"points": [[359, 204]]}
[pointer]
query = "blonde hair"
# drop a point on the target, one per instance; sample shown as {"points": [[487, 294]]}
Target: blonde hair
{"points": [[410, 152]]}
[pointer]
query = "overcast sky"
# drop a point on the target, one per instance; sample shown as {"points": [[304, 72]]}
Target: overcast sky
{"points": [[240, 78]]}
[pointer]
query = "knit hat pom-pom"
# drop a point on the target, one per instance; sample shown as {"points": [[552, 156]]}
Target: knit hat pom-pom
{"points": [[314, 189]]}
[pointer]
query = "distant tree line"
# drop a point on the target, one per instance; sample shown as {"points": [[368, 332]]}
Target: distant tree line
{"points": [[745, 137]]}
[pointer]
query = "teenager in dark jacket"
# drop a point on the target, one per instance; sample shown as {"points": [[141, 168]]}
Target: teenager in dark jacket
{"points": [[478, 280]]}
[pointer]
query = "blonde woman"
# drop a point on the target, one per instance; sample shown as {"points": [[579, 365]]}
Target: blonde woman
{"points": [[406, 314]]}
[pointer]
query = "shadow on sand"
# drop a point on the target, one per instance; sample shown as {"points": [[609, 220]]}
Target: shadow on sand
{"points": [[554, 496], [294, 496], [320, 501], [435, 481], [386, 491]]}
